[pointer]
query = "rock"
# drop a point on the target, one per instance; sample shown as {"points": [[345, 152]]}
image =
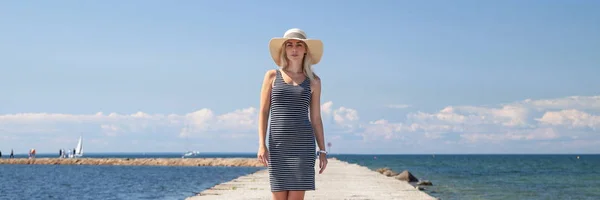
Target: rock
{"points": [[424, 182], [406, 176], [390, 173], [381, 170], [420, 188], [386, 171]]}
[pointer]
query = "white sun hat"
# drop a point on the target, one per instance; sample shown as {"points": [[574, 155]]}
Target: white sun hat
{"points": [[315, 46]]}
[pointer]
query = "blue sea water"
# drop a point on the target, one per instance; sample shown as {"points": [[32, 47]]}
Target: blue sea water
{"points": [[453, 177], [496, 176], [113, 182]]}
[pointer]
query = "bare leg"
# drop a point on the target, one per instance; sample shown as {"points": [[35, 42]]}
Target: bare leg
{"points": [[281, 195], [296, 195]]}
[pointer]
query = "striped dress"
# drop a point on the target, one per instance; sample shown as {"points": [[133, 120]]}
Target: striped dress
{"points": [[292, 152]]}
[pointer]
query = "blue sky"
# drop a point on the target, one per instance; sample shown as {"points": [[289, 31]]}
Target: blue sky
{"points": [[398, 76]]}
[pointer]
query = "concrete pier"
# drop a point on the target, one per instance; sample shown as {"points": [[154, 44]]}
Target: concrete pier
{"points": [[341, 180]]}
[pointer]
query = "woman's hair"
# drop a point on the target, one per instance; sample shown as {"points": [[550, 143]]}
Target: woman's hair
{"points": [[306, 62]]}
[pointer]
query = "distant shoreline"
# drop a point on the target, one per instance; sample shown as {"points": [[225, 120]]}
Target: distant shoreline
{"points": [[212, 154], [226, 162]]}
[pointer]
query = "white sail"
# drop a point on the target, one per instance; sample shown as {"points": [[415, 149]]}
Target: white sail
{"points": [[79, 148], [188, 153]]}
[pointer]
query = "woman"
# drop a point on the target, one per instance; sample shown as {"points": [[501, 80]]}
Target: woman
{"points": [[289, 94]]}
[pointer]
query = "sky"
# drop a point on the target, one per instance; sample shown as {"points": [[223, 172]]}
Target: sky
{"points": [[398, 77]]}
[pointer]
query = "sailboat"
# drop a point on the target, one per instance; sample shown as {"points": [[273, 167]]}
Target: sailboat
{"points": [[189, 153], [79, 148]]}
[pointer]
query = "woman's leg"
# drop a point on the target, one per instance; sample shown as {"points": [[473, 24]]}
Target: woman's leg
{"points": [[296, 195], [280, 195]]}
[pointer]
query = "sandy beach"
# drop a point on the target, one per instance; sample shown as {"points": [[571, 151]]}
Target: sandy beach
{"points": [[341, 180], [227, 162]]}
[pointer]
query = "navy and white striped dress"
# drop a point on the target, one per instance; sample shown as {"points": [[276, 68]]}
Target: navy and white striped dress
{"points": [[291, 140]]}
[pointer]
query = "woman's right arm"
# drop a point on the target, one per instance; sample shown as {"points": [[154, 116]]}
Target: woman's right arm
{"points": [[263, 115]]}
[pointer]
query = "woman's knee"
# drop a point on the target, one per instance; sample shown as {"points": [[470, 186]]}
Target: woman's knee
{"points": [[296, 195], [280, 195]]}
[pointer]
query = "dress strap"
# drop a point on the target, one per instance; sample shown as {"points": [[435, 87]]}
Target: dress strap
{"points": [[278, 76]]}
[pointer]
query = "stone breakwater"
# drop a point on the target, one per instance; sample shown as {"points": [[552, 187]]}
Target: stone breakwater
{"points": [[226, 162], [405, 176]]}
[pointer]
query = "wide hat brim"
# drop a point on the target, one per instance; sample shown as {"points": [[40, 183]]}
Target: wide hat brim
{"points": [[315, 48]]}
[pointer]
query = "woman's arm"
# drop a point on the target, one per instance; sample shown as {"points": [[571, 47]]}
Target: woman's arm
{"points": [[265, 105], [315, 112]]}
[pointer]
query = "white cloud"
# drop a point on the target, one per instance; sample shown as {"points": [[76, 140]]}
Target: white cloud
{"points": [[572, 102], [526, 120], [326, 108], [342, 118], [542, 121], [194, 122], [242, 119], [382, 129], [508, 115], [345, 116], [535, 134], [111, 129], [571, 118], [237, 122]]}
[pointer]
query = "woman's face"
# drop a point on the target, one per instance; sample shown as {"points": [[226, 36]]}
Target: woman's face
{"points": [[295, 49]]}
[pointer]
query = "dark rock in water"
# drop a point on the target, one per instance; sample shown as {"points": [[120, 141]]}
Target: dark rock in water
{"points": [[424, 182], [406, 176]]}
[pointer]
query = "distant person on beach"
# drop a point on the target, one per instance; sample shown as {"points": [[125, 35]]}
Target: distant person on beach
{"points": [[32, 153], [288, 94], [12, 155]]}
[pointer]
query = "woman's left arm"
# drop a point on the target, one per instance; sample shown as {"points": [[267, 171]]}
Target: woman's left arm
{"points": [[315, 112]]}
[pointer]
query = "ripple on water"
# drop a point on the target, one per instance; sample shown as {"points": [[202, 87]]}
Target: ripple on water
{"points": [[111, 182]]}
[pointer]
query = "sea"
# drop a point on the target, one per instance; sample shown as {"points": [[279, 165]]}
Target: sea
{"points": [[494, 176]]}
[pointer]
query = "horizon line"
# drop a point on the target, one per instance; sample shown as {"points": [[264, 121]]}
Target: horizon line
{"points": [[233, 153]]}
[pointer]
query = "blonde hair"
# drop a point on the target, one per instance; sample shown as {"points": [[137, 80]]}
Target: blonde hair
{"points": [[306, 62]]}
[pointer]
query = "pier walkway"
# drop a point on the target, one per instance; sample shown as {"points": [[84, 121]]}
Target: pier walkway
{"points": [[341, 180]]}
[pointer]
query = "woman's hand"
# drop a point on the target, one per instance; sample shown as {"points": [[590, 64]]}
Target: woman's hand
{"points": [[322, 162], [263, 155]]}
